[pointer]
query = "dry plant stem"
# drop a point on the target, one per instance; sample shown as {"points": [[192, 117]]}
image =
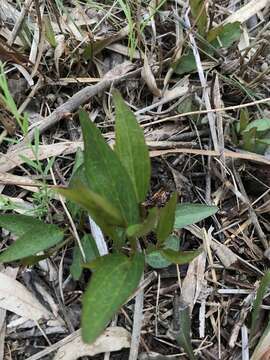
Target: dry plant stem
{"points": [[78, 99], [2, 340], [201, 112], [19, 22], [137, 325], [13, 159], [210, 115], [227, 153], [245, 347], [218, 103], [252, 213], [240, 321]]}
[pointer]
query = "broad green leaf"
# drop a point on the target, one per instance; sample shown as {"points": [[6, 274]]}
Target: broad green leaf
{"points": [[97, 206], [105, 174], [34, 259], [264, 141], [104, 214], [18, 224], [180, 257], [185, 65], [38, 238], [154, 256], [139, 230], [261, 125], [91, 252], [183, 337], [114, 279], [264, 285], [199, 14], [131, 148], [166, 219], [224, 36], [187, 214]]}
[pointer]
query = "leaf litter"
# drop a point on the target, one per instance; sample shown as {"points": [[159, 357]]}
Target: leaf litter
{"points": [[223, 291]]}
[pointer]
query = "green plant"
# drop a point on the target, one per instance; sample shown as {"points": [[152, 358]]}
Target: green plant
{"points": [[42, 197], [252, 135], [136, 26], [209, 41], [9, 102], [111, 186]]}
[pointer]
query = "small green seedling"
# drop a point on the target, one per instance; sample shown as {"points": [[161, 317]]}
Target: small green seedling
{"points": [[111, 185], [253, 135]]}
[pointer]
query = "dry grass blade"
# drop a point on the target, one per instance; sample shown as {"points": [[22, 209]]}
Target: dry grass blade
{"points": [[247, 11], [227, 153]]}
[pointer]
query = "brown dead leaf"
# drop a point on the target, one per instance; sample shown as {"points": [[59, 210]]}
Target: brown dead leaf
{"points": [[16, 298], [225, 255], [113, 339], [14, 158], [119, 70]]}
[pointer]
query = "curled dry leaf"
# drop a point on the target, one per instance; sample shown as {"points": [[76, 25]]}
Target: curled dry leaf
{"points": [[149, 78], [16, 298], [113, 339], [59, 50]]}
